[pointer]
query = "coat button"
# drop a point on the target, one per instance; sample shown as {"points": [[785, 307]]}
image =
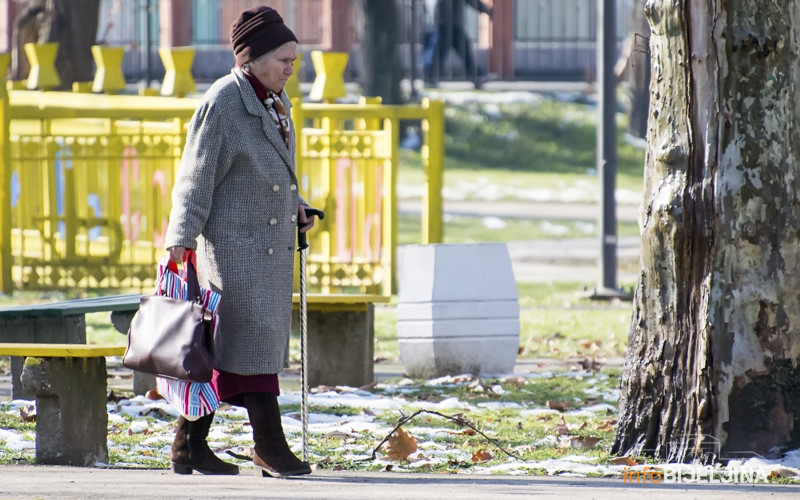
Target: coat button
{"points": [[294, 218], [272, 222], [269, 251], [293, 187], [276, 188]]}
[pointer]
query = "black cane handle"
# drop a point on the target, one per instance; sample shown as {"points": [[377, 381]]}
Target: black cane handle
{"points": [[302, 242]]}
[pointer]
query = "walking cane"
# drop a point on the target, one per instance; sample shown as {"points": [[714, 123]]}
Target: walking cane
{"points": [[302, 245]]}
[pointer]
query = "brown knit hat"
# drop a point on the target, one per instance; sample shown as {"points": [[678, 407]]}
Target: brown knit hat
{"points": [[257, 31]]}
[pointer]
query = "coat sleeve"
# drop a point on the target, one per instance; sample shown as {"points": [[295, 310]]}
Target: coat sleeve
{"points": [[203, 165]]}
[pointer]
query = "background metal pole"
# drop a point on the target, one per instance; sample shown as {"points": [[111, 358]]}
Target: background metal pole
{"points": [[148, 44], [607, 145]]}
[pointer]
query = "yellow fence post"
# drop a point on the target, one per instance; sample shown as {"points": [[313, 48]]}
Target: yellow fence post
{"points": [[108, 78], [5, 178], [329, 82], [433, 159], [178, 79], [42, 57]]}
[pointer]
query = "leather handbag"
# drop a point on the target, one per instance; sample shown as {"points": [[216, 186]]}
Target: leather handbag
{"points": [[172, 338]]}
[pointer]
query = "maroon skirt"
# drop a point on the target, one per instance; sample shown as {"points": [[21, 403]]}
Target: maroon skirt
{"points": [[231, 386]]}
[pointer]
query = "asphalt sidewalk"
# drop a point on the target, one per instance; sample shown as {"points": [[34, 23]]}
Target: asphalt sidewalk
{"points": [[556, 259], [29, 481]]}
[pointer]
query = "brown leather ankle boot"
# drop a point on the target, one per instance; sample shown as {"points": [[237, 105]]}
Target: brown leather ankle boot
{"points": [[271, 455], [190, 450]]}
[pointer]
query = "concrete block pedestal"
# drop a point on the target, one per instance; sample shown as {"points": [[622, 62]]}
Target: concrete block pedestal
{"points": [[72, 418], [457, 310]]}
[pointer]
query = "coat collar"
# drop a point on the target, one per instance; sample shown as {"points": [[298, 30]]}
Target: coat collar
{"points": [[255, 107]]}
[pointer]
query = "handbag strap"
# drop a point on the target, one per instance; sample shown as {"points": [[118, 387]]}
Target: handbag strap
{"points": [[192, 283]]}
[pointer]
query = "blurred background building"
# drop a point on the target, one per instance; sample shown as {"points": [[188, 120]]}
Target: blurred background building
{"points": [[523, 40]]}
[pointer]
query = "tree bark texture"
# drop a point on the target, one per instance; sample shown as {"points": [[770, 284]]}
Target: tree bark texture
{"points": [[73, 24], [712, 365], [381, 71]]}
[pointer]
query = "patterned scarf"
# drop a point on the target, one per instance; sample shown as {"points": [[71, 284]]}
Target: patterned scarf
{"points": [[272, 102]]}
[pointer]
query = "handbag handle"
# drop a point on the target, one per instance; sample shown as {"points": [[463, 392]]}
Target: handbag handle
{"points": [[192, 283]]}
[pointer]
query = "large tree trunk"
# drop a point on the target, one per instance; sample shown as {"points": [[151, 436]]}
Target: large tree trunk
{"points": [[711, 371], [73, 24], [27, 24], [381, 71]]}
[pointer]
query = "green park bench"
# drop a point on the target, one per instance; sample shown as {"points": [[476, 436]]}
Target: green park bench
{"points": [[340, 333]]}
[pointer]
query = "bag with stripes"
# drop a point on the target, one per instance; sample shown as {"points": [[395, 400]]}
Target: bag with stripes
{"points": [[192, 399]]}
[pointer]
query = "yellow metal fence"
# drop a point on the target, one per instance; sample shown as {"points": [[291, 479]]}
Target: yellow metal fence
{"points": [[87, 181]]}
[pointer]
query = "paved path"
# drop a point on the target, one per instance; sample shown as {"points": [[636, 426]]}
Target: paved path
{"points": [[28, 482], [542, 261]]}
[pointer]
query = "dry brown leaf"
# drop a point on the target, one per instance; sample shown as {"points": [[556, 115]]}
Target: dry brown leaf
{"points": [[607, 425], [514, 380], [28, 414], [591, 364], [564, 442], [337, 435], [463, 432], [367, 411], [582, 442], [781, 472], [481, 456], [479, 385], [153, 394], [557, 405], [624, 461], [561, 429], [400, 445], [368, 387]]}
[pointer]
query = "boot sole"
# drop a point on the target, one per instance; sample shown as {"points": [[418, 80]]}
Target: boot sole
{"points": [[188, 469], [266, 472]]}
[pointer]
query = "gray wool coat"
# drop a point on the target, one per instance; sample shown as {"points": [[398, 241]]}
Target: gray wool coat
{"points": [[235, 201]]}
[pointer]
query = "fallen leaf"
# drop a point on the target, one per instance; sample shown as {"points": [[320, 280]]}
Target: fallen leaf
{"points": [[153, 394], [388, 467], [582, 442], [781, 472], [481, 456], [368, 387], [514, 380], [561, 429], [337, 435], [624, 461], [367, 411], [557, 405], [28, 414], [400, 445], [479, 385], [607, 425], [463, 432], [591, 364]]}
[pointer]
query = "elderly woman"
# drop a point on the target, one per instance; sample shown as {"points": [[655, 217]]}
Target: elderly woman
{"points": [[236, 202]]}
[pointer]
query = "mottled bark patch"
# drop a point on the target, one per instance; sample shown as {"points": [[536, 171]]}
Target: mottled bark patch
{"points": [[764, 413]]}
